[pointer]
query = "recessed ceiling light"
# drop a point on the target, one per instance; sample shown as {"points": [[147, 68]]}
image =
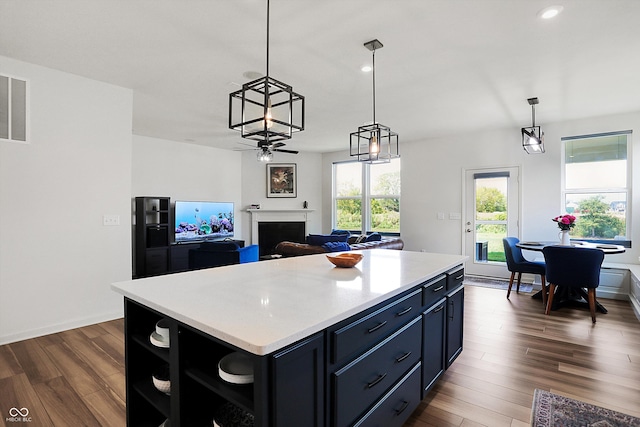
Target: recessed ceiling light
{"points": [[252, 75], [550, 12], [366, 68]]}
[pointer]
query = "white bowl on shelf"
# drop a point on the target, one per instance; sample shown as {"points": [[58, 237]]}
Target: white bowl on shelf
{"points": [[236, 368], [160, 337], [161, 381]]}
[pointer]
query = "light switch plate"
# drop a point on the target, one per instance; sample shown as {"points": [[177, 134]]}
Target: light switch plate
{"points": [[111, 220], [455, 215]]}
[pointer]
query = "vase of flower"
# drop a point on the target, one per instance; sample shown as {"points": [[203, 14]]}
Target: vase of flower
{"points": [[565, 224]]}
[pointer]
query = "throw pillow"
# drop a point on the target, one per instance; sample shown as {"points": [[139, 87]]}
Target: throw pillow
{"points": [[374, 237], [321, 239], [340, 232], [336, 246], [361, 238]]}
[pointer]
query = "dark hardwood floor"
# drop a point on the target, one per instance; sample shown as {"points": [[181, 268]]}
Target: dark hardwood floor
{"points": [[76, 377]]}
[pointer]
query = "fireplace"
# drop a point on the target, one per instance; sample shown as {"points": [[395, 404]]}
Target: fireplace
{"points": [[272, 233], [270, 227]]}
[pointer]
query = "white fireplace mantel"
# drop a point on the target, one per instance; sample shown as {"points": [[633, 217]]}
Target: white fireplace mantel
{"points": [[276, 215]]}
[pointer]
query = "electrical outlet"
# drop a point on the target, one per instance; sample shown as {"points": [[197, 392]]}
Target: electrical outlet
{"points": [[111, 220]]}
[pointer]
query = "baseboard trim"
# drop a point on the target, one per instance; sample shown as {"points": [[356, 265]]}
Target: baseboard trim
{"points": [[52, 329]]}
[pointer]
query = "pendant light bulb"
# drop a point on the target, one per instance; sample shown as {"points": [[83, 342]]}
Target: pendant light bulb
{"points": [[374, 146], [268, 118]]}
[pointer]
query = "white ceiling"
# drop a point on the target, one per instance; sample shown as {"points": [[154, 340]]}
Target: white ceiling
{"points": [[447, 66]]}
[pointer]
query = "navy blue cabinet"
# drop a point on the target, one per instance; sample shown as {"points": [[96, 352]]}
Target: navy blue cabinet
{"points": [[371, 369], [455, 326]]}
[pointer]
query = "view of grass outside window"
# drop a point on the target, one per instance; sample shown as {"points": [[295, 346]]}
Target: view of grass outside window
{"points": [[491, 217], [377, 208], [596, 192]]}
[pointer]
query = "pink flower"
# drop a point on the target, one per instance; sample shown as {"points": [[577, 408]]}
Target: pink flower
{"points": [[565, 220]]}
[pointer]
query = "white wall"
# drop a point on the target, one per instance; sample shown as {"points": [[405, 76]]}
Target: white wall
{"points": [[432, 182], [309, 182], [187, 172], [57, 260]]}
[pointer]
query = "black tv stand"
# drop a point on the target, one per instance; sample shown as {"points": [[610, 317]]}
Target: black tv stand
{"points": [[179, 253]]}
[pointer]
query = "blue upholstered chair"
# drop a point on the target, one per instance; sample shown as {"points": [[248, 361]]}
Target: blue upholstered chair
{"points": [[216, 254], [517, 263], [573, 268]]}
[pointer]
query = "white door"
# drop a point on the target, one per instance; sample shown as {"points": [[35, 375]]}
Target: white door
{"points": [[492, 212]]}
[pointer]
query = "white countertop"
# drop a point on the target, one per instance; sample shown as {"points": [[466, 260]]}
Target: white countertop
{"points": [[264, 306]]}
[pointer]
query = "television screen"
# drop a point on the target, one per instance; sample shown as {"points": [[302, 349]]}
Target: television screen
{"points": [[203, 220]]}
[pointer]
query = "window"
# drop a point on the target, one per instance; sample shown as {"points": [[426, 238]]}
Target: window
{"points": [[596, 185], [13, 109], [366, 197]]}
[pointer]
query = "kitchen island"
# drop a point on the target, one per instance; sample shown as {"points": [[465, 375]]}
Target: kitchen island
{"points": [[329, 346]]}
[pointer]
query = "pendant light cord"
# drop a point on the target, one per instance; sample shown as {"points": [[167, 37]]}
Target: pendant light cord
{"points": [[533, 115], [267, 39], [374, 84]]}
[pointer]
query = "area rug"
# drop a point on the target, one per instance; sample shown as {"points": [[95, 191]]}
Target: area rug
{"points": [[487, 282], [552, 410]]}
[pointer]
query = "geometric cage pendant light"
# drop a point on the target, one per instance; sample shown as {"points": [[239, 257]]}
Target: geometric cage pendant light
{"points": [[533, 137], [266, 110], [375, 142]]}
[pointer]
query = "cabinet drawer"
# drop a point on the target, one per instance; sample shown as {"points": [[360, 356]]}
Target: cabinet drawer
{"points": [[358, 385], [369, 330], [156, 261], [434, 290], [455, 277], [396, 406]]}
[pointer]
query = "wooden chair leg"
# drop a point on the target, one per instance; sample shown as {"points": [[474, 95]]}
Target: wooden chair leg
{"points": [[592, 304], [513, 274], [552, 290], [544, 291], [518, 286]]}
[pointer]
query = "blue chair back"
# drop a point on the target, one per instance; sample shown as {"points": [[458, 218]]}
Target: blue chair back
{"points": [[512, 253], [573, 267]]}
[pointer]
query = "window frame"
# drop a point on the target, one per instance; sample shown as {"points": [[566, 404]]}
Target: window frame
{"points": [[10, 109], [626, 242], [365, 197]]}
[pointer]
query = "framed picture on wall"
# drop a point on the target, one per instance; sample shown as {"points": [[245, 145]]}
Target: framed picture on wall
{"points": [[281, 180]]}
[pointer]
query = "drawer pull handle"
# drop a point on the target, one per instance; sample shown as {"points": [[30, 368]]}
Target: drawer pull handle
{"points": [[377, 380], [439, 309], [403, 357], [405, 311], [402, 408], [439, 288], [460, 277], [375, 328]]}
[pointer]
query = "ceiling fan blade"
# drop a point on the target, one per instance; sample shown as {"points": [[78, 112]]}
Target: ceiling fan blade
{"points": [[285, 151], [278, 144], [248, 145]]}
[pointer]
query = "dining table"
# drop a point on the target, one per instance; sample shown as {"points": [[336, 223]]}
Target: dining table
{"points": [[571, 297]]}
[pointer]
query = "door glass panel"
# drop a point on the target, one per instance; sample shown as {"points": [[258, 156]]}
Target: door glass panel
{"points": [[491, 218]]}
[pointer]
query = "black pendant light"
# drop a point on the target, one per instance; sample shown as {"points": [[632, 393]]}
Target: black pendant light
{"points": [[375, 142], [266, 110], [533, 137]]}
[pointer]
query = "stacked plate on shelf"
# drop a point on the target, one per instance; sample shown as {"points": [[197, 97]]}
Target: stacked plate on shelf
{"points": [[230, 415], [236, 368], [160, 337]]}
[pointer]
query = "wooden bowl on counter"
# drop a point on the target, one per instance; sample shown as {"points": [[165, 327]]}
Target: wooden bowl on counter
{"points": [[345, 260]]}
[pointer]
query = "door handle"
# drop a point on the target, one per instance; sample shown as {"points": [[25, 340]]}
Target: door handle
{"points": [[468, 230]]}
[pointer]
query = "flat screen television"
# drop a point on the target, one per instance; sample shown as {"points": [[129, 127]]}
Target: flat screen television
{"points": [[203, 220]]}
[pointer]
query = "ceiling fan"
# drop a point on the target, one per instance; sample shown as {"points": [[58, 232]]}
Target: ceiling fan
{"points": [[265, 150]]}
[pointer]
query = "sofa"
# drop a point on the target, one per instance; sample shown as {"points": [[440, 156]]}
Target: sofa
{"points": [[216, 254], [290, 249]]}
